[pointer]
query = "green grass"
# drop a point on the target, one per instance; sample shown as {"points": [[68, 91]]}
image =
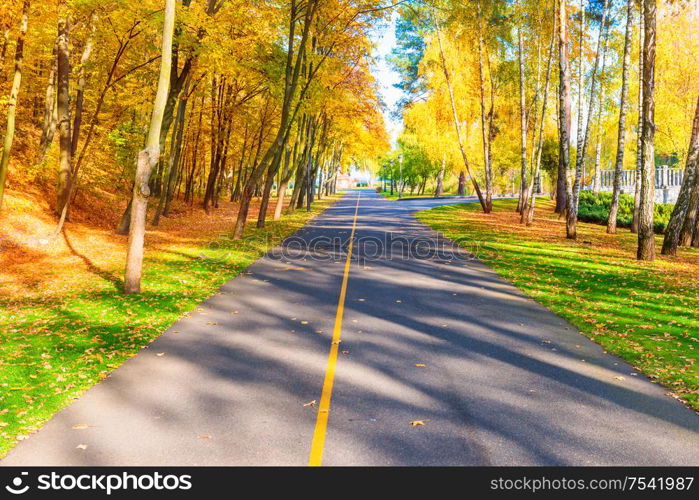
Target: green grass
{"points": [[56, 347], [394, 196], [646, 313]]}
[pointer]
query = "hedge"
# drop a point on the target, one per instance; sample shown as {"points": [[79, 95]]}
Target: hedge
{"points": [[595, 208]]}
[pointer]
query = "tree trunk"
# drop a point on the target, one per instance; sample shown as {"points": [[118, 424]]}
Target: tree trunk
{"points": [[63, 108], [80, 94], [692, 217], [585, 133], [646, 233], [486, 124], [147, 159], [563, 106], [461, 190], [530, 199], [679, 214], [439, 189], [639, 126], [455, 115], [3, 50], [49, 126], [12, 104], [581, 92], [623, 108], [523, 123], [173, 159]]}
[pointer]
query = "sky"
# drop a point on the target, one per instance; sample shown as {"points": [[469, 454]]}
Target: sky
{"points": [[385, 39]]}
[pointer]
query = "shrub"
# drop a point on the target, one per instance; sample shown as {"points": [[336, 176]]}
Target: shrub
{"points": [[595, 208]]}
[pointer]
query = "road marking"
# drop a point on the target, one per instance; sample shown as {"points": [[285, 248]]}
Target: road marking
{"points": [[318, 443]]}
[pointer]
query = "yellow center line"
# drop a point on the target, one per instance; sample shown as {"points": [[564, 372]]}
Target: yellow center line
{"points": [[318, 443]]}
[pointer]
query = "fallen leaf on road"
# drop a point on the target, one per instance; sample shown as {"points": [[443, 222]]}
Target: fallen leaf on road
{"points": [[295, 269], [304, 322], [203, 437], [416, 423], [81, 426], [345, 352], [420, 365], [160, 354], [310, 403], [211, 323], [619, 377], [337, 342], [81, 447]]}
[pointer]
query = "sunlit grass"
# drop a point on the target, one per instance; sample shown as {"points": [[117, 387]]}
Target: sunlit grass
{"points": [[54, 347], [646, 313]]}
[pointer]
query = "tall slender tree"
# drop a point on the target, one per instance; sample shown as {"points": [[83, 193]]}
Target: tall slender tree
{"points": [[564, 120], [623, 109], [674, 228], [639, 124], [455, 114], [14, 95], [63, 112], [646, 229], [147, 159]]}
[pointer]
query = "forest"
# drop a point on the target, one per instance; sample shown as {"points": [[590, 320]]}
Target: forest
{"points": [[506, 96], [111, 104]]}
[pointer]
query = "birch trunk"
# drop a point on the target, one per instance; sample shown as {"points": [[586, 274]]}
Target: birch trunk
{"points": [[639, 126], [63, 109], [563, 99], [49, 126], [646, 233], [623, 109], [679, 214], [455, 115], [147, 159]]}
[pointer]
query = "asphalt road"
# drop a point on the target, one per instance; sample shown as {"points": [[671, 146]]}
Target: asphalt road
{"points": [[501, 380]]}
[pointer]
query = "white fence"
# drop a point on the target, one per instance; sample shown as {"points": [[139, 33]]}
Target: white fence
{"points": [[667, 182]]}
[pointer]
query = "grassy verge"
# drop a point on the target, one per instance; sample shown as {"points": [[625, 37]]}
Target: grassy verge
{"points": [[55, 346], [394, 196], [646, 313]]}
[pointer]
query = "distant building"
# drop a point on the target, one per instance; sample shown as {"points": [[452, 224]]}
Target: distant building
{"points": [[344, 181]]}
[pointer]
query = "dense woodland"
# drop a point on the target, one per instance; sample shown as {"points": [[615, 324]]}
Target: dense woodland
{"points": [[187, 101], [508, 94], [162, 103]]}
